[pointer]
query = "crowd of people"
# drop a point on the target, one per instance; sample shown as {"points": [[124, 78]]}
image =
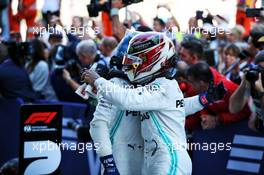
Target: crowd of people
{"points": [[49, 65]]}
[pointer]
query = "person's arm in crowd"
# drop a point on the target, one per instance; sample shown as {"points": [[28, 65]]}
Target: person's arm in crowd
{"points": [[228, 118], [71, 82], [260, 89], [177, 24], [205, 118], [118, 28], [240, 97], [140, 19], [56, 20], [219, 114], [20, 5], [60, 1], [172, 16], [210, 121], [40, 77]]}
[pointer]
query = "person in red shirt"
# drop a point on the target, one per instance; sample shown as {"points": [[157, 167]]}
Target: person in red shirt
{"points": [[27, 9], [190, 52], [241, 17], [200, 75]]}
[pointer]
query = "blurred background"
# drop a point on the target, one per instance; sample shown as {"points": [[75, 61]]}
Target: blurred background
{"points": [[46, 44], [183, 10]]}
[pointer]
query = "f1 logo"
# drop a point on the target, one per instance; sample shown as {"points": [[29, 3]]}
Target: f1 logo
{"points": [[45, 117]]}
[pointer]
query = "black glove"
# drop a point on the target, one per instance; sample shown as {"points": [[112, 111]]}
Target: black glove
{"points": [[213, 94], [109, 165]]}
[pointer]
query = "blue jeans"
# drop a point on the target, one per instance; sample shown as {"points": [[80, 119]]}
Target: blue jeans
{"points": [[5, 23]]}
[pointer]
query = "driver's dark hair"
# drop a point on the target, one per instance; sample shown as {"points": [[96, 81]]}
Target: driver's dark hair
{"points": [[194, 46], [200, 72]]}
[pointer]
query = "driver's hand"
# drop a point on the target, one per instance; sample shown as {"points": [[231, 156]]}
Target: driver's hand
{"points": [[66, 75], [89, 76], [258, 84], [244, 80]]}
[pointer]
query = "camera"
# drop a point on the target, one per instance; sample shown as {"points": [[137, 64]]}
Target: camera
{"points": [[95, 6], [81, 129], [206, 17], [21, 49], [65, 60], [252, 74], [70, 65], [254, 12], [18, 51]]}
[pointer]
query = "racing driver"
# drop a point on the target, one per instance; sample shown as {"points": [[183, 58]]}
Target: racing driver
{"points": [[159, 100]]}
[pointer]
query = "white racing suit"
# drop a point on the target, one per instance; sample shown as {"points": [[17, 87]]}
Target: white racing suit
{"points": [[118, 132], [162, 107]]}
